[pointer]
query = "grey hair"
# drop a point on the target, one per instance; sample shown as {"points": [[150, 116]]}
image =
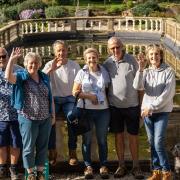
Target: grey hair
{"points": [[32, 55], [89, 50], [57, 42], [115, 39]]}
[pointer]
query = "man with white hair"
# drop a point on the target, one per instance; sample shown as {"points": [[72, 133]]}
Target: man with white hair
{"points": [[10, 138], [124, 104]]}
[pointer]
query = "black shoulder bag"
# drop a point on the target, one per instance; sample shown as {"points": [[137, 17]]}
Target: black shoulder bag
{"points": [[79, 119]]}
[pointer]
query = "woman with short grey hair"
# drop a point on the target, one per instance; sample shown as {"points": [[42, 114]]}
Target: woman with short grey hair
{"points": [[33, 100]]}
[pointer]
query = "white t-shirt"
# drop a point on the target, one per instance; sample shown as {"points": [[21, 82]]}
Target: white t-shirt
{"points": [[62, 79], [89, 82]]}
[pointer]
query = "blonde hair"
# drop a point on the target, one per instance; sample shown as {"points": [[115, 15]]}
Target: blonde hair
{"points": [[32, 55], [155, 47], [89, 50]]}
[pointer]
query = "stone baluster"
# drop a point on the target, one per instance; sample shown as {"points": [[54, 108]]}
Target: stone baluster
{"points": [[22, 28], [78, 50], [146, 25], [62, 26], [26, 28], [56, 27], [49, 50], [99, 25], [133, 24], [36, 27], [42, 26], [140, 25], [126, 47], [134, 49], [49, 26], [91, 24], [31, 27], [157, 25], [151, 26], [42, 51], [100, 49], [119, 24], [37, 50], [126, 24]]}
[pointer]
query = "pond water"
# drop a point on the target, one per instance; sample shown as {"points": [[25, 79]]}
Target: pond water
{"points": [[76, 49]]}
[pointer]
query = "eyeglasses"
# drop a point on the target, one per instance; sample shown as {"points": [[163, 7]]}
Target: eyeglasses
{"points": [[3, 56]]}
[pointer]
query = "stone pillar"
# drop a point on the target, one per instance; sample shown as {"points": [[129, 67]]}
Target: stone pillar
{"points": [[110, 25], [73, 25]]}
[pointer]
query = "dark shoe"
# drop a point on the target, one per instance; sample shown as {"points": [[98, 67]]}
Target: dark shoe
{"points": [[120, 172], [104, 173], [73, 161], [3, 173], [137, 173], [88, 173], [14, 174], [31, 176], [40, 175]]}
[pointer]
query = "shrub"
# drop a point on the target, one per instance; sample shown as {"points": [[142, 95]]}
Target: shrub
{"points": [[116, 9], [56, 12], [146, 8], [32, 14], [11, 13], [31, 4]]}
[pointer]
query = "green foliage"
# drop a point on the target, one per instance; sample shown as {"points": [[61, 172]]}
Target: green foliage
{"points": [[32, 4], [116, 9], [146, 8], [11, 13], [56, 12], [129, 4], [10, 2], [178, 17]]}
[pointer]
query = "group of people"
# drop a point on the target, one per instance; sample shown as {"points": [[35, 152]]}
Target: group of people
{"points": [[30, 99]]}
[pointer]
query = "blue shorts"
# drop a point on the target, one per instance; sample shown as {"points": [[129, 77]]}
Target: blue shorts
{"points": [[10, 134]]}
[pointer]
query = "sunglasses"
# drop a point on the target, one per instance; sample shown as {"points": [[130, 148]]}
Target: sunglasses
{"points": [[3, 56]]}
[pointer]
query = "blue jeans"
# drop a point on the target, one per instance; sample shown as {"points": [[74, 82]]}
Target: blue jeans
{"points": [[67, 103], [156, 126], [35, 136], [100, 119]]}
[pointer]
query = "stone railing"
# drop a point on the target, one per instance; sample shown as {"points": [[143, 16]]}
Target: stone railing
{"points": [[99, 24]]}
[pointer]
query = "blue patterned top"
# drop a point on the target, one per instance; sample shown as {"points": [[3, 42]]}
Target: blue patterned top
{"points": [[7, 112], [36, 100]]}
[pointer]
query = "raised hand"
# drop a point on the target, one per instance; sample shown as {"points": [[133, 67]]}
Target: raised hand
{"points": [[55, 64], [16, 53], [141, 59]]}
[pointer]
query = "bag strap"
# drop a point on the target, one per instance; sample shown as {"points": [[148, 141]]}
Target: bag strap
{"points": [[76, 100]]}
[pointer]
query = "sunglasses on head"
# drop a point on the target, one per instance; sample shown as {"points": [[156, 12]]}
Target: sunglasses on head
{"points": [[3, 56]]}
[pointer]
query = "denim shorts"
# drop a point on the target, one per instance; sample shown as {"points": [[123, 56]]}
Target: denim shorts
{"points": [[10, 134], [125, 117]]}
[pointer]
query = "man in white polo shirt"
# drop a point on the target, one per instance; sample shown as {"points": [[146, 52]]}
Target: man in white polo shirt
{"points": [[124, 104], [62, 72]]}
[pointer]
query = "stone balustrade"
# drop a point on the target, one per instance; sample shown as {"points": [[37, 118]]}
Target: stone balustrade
{"points": [[147, 26]]}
